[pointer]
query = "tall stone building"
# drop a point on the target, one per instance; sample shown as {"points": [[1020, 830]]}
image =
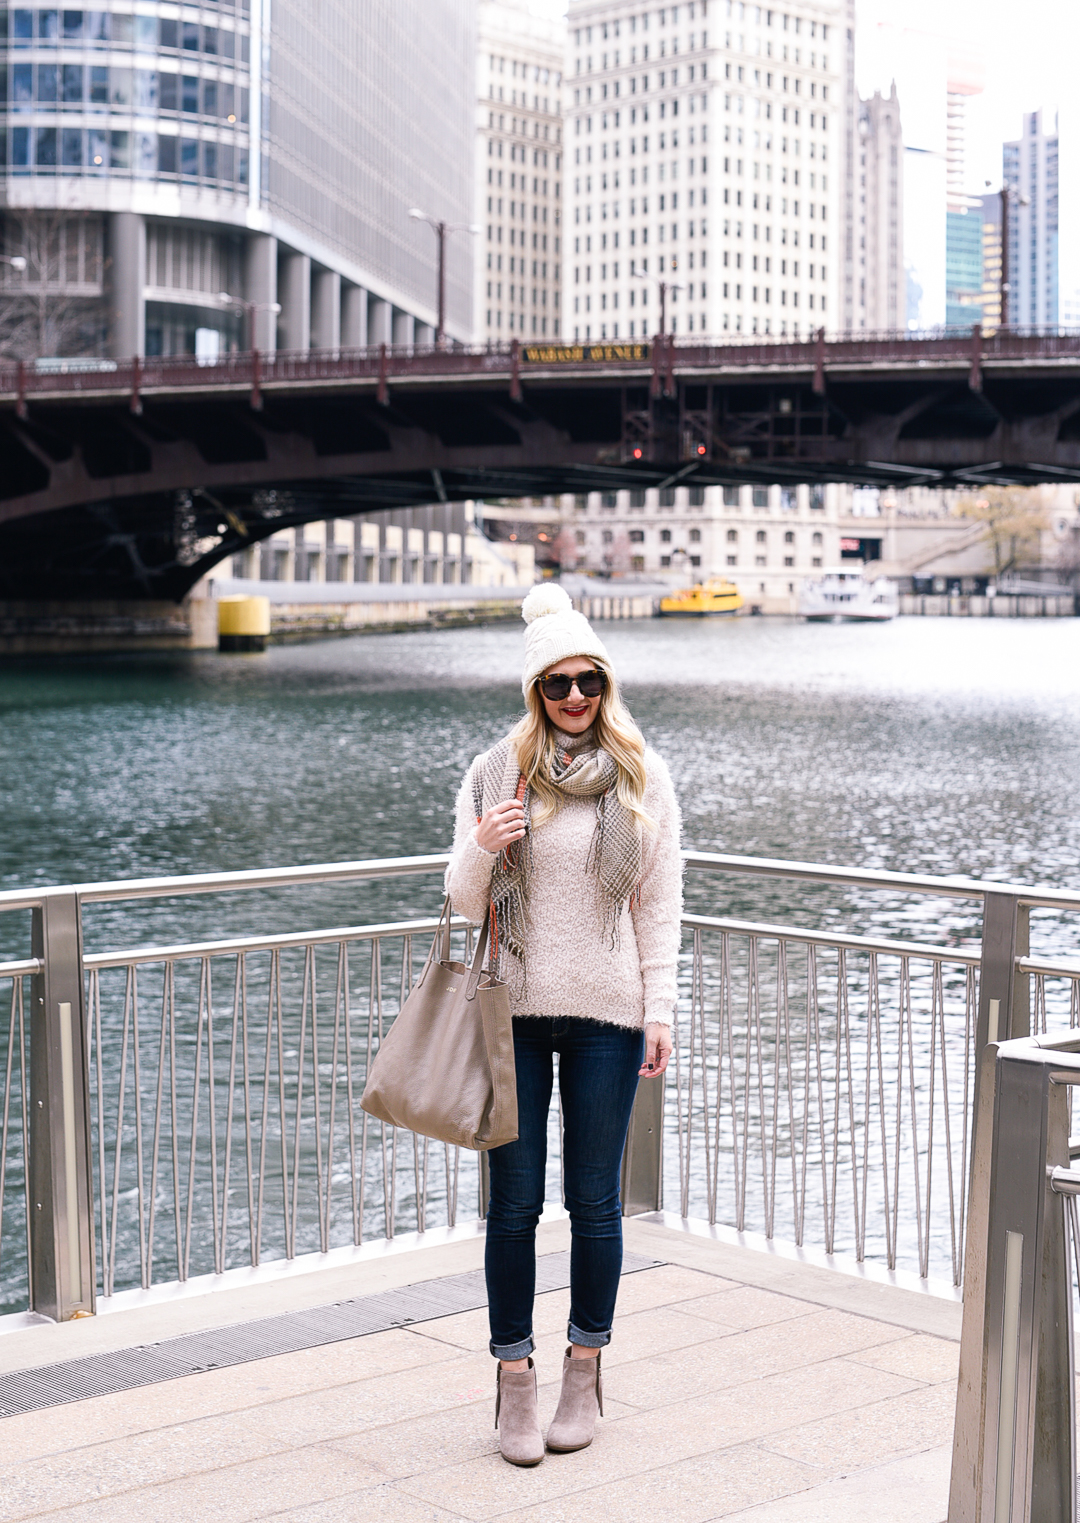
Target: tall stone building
{"points": [[519, 173], [878, 297], [1030, 167], [704, 165], [176, 172]]}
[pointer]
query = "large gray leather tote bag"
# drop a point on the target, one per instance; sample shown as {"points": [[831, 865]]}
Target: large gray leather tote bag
{"points": [[445, 1068]]}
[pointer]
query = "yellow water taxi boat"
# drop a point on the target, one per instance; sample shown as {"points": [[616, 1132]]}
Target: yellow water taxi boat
{"points": [[712, 597]]}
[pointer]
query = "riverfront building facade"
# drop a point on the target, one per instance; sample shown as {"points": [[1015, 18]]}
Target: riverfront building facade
{"points": [[765, 539], [185, 177], [704, 147], [519, 173]]}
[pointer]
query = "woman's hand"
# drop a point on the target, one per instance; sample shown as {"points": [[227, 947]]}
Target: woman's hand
{"points": [[501, 826], [657, 1050]]}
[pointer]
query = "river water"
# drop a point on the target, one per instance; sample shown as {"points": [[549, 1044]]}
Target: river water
{"points": [[922, 745]]}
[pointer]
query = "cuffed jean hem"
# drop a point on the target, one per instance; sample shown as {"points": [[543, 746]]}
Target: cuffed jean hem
{"points": [[513, 1350], [586, 1340]]}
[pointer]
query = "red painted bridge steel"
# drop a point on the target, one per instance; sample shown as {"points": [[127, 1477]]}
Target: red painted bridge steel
{"points": [[130, 479]]}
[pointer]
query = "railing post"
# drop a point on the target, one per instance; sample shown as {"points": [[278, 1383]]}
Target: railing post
{"points": [[256, 381], [135, 404], [61, 1178], [819, 363], [1014, 1439], [975, 376], [642, 1183], [1004, 993]]}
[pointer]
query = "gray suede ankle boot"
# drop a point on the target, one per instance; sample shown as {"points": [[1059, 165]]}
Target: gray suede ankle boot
{"points": [[516, 1416], [581, 1402]]}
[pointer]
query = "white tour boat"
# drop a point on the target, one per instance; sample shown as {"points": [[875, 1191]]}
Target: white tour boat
{"points": [[846, 592]]}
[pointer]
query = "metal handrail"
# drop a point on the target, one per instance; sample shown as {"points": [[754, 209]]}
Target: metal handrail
{"points": [[837, 939], [141, 376], [214, 883], [958, 887], [992, 999], [122, 959], [872, 877]]}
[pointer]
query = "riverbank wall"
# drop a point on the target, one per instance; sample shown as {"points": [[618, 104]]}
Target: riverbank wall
{"points": [[298, 610], [1003, 606]]}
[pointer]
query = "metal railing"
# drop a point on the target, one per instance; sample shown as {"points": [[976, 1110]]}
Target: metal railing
{"points": [[1015, 1441], [177, 1110], [383, 363]]}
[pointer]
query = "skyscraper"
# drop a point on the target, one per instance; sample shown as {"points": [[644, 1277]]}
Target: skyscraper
{"points": [[1030, 168], [159, 157], [878, 298], [519, 172], [704, 161]]}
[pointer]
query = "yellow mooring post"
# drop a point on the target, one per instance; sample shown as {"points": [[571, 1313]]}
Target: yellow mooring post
{"points": [[243, 623]]}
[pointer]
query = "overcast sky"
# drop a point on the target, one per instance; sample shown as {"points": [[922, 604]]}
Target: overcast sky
{"points": [[1028, 51]]}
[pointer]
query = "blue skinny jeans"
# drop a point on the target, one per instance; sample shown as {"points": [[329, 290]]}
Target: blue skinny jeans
{"points": [[598, 1078]]}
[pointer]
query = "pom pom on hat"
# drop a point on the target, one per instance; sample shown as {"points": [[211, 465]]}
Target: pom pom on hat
{"points": [[554, 631], [545, 598]]}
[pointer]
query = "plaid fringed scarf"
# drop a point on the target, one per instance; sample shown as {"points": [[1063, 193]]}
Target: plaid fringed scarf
{"points": [[580, 770]]}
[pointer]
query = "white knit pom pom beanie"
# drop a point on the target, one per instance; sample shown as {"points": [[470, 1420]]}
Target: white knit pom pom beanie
{"points": [[554, 630]]}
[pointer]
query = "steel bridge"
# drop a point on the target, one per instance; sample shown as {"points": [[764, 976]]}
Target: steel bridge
{"points": [[131, 479]]}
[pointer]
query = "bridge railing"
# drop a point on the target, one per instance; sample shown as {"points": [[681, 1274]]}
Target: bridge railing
{"points": [[20, 381], [178, 1110]]}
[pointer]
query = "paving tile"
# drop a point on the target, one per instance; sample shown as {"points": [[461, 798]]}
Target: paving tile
{"points": [[666, 1285], [121, 1465], [912, 1490], [100, 1418], [754, 1409], [622, 1447], [376, 1504], [926, 1358], [745, 1306], [442, 1439], [335, 1413], [884, 1430], [232, 1493], [726, 1361], [567, 1489]]}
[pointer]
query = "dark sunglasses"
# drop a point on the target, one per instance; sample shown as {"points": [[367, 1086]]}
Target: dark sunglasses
{"points": [[558, 685]]}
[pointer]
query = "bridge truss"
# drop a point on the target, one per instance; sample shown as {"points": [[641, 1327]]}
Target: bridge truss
{"points": [[131, 479]]}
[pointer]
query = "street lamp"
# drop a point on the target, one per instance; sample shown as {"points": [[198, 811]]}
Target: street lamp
{"points": [[16, 261], [665, 287], [441, 229], [250, 308]]}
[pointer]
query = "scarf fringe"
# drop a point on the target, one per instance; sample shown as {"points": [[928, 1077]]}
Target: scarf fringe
{"points": [[499, 778]]}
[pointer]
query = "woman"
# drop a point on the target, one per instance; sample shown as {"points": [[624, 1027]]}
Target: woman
{"points": [[567, 837]]}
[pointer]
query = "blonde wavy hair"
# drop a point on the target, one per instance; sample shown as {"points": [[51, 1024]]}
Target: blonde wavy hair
{"points": [[616, 733]]}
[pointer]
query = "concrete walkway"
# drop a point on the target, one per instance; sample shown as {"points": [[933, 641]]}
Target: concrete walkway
{"points": [[739, 1385]]}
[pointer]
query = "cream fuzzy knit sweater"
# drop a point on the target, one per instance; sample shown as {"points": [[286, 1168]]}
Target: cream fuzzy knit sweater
{"points": [[573, 968]]}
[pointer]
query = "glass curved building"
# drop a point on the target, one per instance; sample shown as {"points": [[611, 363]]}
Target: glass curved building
{"points": [[158, 156]]}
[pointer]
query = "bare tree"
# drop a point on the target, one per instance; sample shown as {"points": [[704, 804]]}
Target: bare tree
{"points": [[565, 550], [54, 305], [617, 555], [1015, 518]]}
